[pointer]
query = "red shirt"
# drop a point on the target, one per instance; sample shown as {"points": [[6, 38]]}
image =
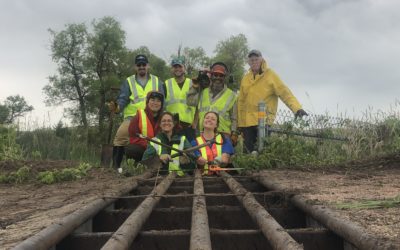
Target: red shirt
{"points": [[134, 128]]}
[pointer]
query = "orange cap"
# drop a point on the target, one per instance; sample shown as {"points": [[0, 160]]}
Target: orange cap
{"points": [[218, 69]]}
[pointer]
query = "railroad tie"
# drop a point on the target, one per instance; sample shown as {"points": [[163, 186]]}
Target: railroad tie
{"points": [[128, 231], [270, 228]]}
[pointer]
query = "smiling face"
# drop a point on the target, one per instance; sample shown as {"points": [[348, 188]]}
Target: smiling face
{"points": [[142, 69], [166, 123], [255, 63], [210, 121], [178, 70], [154, 104]]}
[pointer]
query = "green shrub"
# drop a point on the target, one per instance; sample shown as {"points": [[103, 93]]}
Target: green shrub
{"points": [[46, 177], [66, 174], [20, 176], [131, 168]]}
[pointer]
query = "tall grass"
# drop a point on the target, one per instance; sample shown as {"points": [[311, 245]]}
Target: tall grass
{"points": [[379, 135], [375, 135], [57, 143]]}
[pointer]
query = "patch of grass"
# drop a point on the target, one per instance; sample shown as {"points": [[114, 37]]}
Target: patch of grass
{"points": [[131, 168], [370, 204], [20, 176], [66, 174], [25, 174]]}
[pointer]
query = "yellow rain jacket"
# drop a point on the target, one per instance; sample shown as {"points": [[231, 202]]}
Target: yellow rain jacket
{"points": [[266, 87]]}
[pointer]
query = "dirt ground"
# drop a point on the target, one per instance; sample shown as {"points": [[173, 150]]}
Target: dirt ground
{"points": [[376, 180], [25, 209]]}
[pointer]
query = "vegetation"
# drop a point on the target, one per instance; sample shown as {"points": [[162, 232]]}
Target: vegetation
{"points": [[364, 141], [25, 174], [13, 107], [370, 204], [93, 59], [131, 168]]}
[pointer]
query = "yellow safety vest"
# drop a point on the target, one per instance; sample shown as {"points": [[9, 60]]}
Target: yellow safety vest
{"points": [[176, 100], [222, 106], [138, 94], [174, 165], [208, 152]]}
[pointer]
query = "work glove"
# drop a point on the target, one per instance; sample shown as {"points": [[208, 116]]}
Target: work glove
{"points": [[184, 159], [165, 158], [234, 137], [300, 113], [218, 160], [113, 107]]}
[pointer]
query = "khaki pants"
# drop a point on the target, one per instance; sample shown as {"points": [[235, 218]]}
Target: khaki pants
{"points": [[122, 136]]}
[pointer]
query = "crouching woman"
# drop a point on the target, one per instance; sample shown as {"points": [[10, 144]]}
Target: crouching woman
{"points": [[170, 138], [220, 149]]}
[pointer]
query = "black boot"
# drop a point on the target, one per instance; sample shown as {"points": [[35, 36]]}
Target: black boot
{"points": [[118, 155]]}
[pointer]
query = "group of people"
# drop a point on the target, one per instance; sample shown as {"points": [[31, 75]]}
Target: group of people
{"points": [[168, 118]]}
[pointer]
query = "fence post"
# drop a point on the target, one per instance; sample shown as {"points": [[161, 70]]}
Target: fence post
{"points": [[261, 125]]}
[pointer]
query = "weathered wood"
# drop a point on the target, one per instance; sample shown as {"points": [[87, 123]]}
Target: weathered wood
{"points": [[351, 232], [127, 232], [200, 233], [271, 229], [53, 234]]}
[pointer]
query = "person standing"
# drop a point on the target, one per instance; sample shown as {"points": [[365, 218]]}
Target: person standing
{"points": [[261, 83], [176, 89], [131, 98], [218, 98]]}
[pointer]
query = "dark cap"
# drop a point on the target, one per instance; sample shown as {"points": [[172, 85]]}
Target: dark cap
{"points": [[254, 52], [178, 61], [141, 59], [155, 94]]}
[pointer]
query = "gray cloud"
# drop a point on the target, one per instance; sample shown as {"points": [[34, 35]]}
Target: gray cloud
{"points": [[344, 54]]}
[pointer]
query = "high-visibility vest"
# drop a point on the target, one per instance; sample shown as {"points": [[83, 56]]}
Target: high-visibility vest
{"points": [[210, 153], [174, 165], [145, 126], [221, 106], [138, 94], [176, 100]]}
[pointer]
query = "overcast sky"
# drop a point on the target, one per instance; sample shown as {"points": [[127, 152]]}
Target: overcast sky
{"points": [[336, 56]]}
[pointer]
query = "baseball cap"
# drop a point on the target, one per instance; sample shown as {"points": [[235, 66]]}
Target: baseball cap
{"points": [[178, 61], [141, 59], [155, 94], [254, 52], [218, 68]]}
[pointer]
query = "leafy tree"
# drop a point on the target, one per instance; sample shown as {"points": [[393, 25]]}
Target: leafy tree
{"points": [[72, 83], [106, 48], [14, 107], [3, 113], [233, 52], [195, 59]]}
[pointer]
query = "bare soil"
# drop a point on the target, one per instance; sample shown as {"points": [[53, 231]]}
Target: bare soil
{"points": [[25, 209], [373, 180]]}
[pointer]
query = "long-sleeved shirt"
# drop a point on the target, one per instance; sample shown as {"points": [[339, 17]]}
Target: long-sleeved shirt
{"points": [[125, 93]]}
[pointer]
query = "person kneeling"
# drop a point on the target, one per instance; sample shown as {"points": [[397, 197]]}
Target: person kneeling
{"points": [[169, 137], [146, 123], [220, 149]]}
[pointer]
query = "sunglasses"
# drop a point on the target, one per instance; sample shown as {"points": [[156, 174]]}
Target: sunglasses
{"points": [[218, 75], [141, 65]]}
